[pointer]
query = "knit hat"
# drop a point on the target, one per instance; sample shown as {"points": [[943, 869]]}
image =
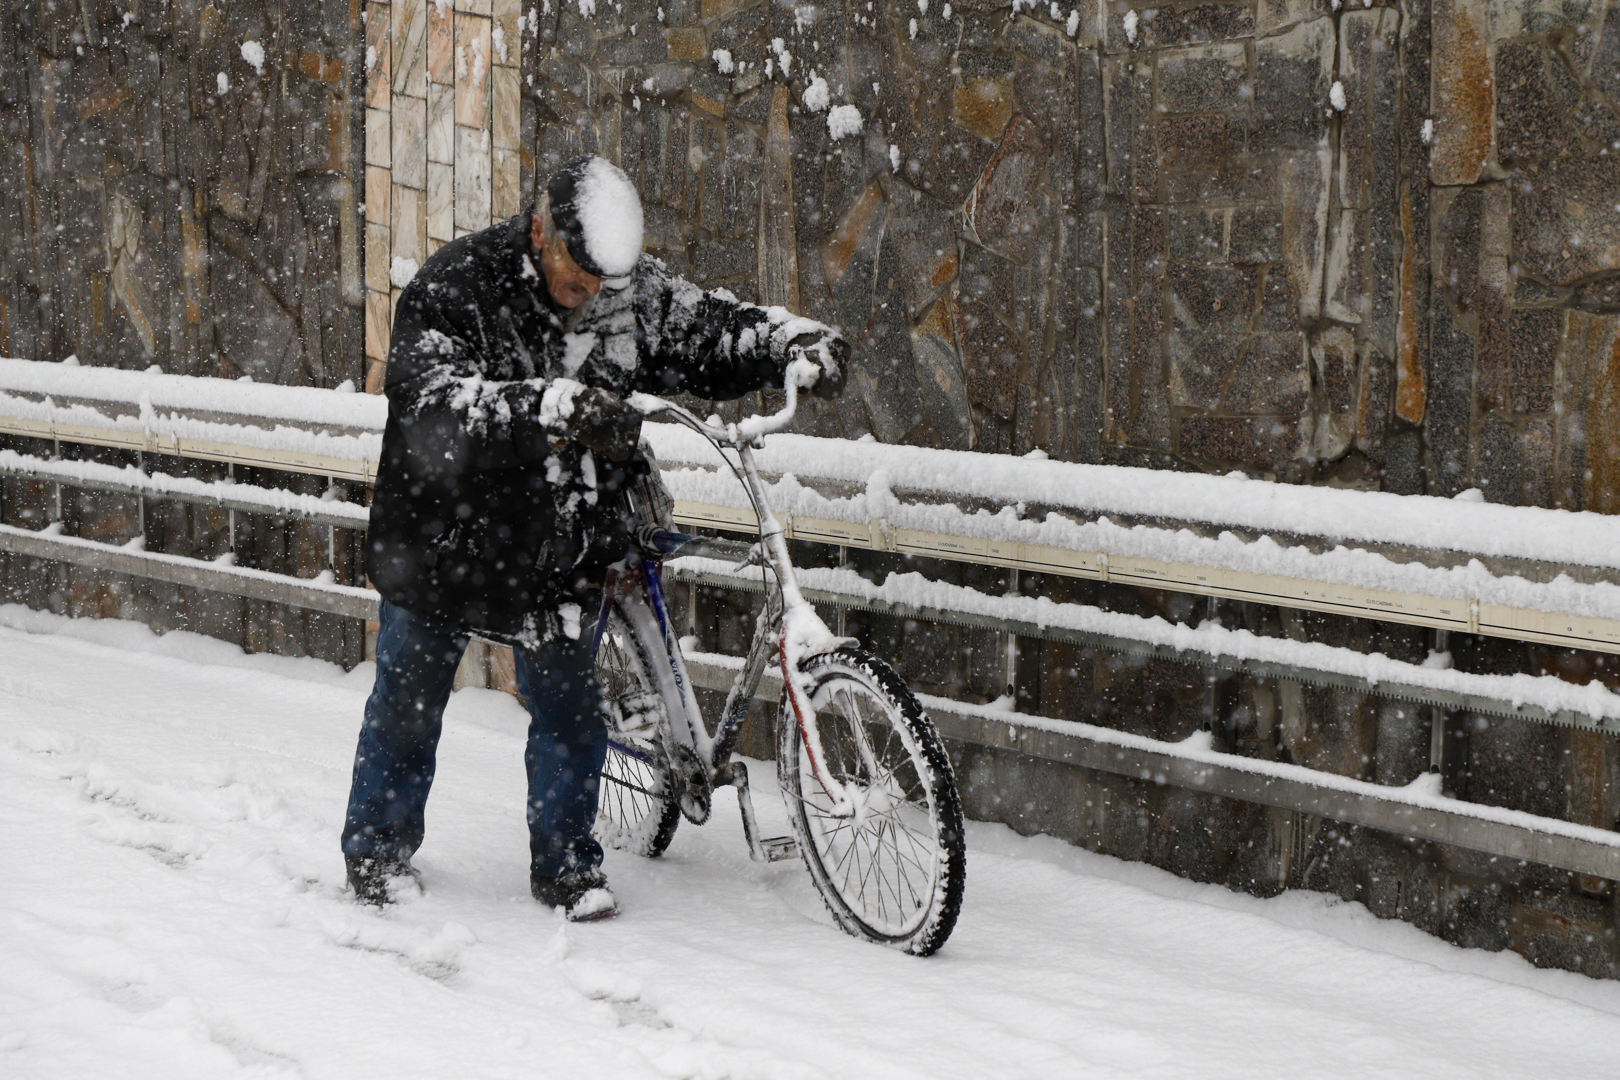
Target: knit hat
{"points": [[597, 212]]}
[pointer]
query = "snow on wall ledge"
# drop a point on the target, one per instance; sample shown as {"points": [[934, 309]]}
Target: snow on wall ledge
{"points": [[1232, 501]]}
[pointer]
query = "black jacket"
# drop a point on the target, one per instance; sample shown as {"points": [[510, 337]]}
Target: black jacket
{"points": [[487, 517]]}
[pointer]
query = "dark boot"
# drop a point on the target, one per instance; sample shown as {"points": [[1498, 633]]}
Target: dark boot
{"points": [[583, 895], [378, 881]]}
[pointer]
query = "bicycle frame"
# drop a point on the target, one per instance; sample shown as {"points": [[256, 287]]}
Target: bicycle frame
{"points": [[787, 626]]}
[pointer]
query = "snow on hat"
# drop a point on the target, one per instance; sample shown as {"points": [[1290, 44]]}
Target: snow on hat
{"points": [[596, 211]]}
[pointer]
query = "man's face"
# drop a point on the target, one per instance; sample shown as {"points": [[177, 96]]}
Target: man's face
{"points": [[569, 285]]}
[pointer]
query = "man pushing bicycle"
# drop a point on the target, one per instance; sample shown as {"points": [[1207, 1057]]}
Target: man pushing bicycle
{"points": [[496, 510]]}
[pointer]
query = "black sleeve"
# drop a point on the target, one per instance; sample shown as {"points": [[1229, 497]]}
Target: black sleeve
{"points": [[709, 343], [452, 417]]}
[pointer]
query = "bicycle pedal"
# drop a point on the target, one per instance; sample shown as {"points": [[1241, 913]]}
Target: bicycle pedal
{"points": [[779, 848]]}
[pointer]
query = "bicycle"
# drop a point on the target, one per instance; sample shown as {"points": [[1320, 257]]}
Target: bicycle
{"points": [[869, 789]]}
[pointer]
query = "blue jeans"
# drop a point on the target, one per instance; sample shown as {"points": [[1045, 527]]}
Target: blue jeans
{"points": [[394, 763]]}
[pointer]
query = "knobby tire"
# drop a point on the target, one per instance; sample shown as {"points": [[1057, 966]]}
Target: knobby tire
{"points": [[894, 874], [636, 808]]}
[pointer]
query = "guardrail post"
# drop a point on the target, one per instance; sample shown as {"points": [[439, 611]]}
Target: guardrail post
{"points": [[1010, 654], [56, 489], [841, 614], [140, 500], [230, 513]]}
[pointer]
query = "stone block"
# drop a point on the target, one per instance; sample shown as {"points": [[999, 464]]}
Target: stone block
{"points": [[441, 44], [1273, 15], [1203, 79], [940, 375], [1536, 100], [943, 161], [1347, 301], [1198, 236], [441, 124], [379, 56], [1540, 485], [1136, 405], [472, 71], [472, 185], [1304, 187], [1498, 474], [409, 123], [1370, 71], [1195, 159], [1131, 129], [1375, 404], [1555, 929], [410, 19], [377, 185], [1338, 378], [1261, 443], [1169, 27], [377, 244], [506, 184], [505, 110], [1293, 74], [990, 349], [379, 138], [1269, 376], [409, 225], [1535, 337], [1463, 104], [507, 31], [983, 106], [687, 44], [1565, 223], [1255, 236], [441, 201], [1009, 210]]}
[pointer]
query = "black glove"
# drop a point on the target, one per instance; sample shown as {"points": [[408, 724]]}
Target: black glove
{"points": [[830, 352], [604, 423]]}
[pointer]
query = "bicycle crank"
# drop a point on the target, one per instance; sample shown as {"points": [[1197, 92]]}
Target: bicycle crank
{"points": [[770, 848], [692, 784]]}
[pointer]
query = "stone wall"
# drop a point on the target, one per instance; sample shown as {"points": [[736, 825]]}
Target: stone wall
{"points": [[1229, 235], [169, 199]]}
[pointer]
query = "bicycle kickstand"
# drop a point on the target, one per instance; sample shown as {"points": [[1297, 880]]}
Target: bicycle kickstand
{"points": [[770, 848]]}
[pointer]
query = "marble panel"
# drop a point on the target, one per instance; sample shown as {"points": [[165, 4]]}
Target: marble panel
{"points": [[441, 201], [441, 124], [472, 71], [410, 141], [409, 220], [472, 179]]}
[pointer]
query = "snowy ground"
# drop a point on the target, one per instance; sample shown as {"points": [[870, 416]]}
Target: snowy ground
{"points": [[173, 906]]}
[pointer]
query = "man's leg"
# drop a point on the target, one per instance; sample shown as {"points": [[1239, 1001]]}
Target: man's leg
{"points": [[393, 765], [567, 745]]}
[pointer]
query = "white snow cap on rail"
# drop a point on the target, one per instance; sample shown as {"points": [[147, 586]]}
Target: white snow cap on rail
{"points": [[298, 404]]}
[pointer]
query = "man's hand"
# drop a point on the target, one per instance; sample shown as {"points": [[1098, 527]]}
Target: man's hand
{"points": [[604, 423], [830, 353]]}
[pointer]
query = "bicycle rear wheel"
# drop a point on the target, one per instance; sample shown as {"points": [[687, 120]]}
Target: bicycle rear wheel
{"points": [[894, 872], [636, 809]]}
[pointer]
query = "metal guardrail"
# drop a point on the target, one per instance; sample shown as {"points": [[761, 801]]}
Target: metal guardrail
{"points": [[1505, 833], [1501, 833], [1462, 615]]}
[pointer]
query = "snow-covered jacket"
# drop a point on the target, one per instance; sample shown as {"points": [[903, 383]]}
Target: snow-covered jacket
{"points": [[487, 517]]}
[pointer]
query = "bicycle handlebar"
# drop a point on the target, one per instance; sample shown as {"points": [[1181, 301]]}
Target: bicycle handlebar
{"points": [[801, 372]]}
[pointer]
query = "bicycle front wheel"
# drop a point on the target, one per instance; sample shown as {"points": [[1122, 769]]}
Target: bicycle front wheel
{"points": [[894, 872], [636, 809]]}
